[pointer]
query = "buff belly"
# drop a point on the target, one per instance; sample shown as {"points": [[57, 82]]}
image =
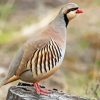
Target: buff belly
{"points": [[28, 76]]}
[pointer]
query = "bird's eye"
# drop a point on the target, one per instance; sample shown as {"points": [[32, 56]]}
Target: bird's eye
{"points": [[72, 9]]}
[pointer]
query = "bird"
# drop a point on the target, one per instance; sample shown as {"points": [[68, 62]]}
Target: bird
{"points": [[42, 55]]}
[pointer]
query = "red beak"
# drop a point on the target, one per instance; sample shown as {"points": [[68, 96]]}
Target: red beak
{"points": [[79, 11]]}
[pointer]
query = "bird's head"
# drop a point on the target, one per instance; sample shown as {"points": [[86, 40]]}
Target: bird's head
{"points": [[71, 10]]}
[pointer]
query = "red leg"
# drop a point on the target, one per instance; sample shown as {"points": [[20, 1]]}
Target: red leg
{"points": [[39, 90]]}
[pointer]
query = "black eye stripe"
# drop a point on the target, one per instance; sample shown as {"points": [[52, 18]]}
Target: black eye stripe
{"points": [[72, 9]]}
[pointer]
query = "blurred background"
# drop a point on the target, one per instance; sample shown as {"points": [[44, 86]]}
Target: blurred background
{"points": [[80, 71]]}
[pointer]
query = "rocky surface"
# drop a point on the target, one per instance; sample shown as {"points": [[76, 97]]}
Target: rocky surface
{"points": [[27, 92]]}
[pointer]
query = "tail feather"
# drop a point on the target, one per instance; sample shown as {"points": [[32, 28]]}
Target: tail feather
{"points": [[6, 81], [12, 69]]}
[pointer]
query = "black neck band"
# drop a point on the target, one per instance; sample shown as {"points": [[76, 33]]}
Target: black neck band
{"points": [[66, 20]]}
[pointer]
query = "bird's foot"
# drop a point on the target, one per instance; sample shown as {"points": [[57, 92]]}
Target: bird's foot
{"points": [[42, 92], [39, 90]]}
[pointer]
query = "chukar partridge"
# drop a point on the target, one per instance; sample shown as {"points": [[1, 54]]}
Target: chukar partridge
{"points": [[41, 56]]}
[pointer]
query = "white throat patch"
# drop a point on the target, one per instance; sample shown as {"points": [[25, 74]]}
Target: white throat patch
{"points": [[71, 15]]}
